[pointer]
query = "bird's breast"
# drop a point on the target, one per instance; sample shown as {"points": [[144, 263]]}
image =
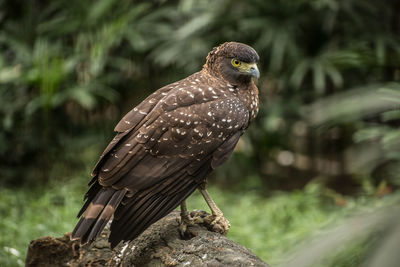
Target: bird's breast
{"points": [[249, 97]]}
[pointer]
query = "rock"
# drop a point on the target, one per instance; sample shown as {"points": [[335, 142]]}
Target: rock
{"points": [[160, 245]]}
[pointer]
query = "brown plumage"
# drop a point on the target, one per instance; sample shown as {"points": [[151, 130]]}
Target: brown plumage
{"points": [[167, 145]]}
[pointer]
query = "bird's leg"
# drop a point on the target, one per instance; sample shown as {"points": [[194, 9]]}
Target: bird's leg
{"points": [[184, 212], [215, 222], [218, 222], [186, 220]]}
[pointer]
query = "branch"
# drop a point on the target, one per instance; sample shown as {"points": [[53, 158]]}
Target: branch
{"points": [[160, 245]]}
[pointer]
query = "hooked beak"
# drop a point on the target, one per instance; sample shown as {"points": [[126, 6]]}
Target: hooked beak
{"points": [[251, 69], [254, 70]]}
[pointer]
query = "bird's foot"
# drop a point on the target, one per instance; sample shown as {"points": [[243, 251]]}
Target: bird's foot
{"points": [[218, 223], [214, 222], [184, 222], [187, 220]]}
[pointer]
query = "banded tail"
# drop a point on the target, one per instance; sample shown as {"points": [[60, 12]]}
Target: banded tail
{"points": [[98, 209], [133, 214]]}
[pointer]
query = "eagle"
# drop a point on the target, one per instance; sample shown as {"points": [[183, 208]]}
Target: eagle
{"points": [[166, 146]]}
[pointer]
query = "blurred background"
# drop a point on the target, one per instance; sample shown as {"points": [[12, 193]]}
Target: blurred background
{"points": [[324, 150]]}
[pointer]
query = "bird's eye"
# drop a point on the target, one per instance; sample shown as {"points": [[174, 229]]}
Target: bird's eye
{"points": [[235, 62]]}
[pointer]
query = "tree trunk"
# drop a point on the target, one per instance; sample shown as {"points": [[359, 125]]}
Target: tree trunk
{"points": [[160, 245]]}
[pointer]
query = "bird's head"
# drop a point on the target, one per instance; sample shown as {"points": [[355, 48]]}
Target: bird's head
{"points": [[235, 62]]}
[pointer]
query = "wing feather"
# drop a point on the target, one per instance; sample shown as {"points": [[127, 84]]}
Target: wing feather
{"points": [[224, 151], [164, 148], [151, 207]]}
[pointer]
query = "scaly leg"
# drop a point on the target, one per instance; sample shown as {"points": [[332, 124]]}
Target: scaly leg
{"points": [[214, 222], [184, 211], [218, 222], [189, 219], [186, 220]]}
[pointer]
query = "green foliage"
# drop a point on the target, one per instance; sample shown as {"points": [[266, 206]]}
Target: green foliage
{"points": [[57, 63], [29, 213], [310, 50], [351, 255], [269, 227], [329, 92], [377, 135], [65, 67], [368, 238]]}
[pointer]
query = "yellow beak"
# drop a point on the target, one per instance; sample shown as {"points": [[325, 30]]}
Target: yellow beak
{"points": [[250, 68]]}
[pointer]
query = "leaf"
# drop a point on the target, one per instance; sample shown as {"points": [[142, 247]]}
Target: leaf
{"points": [[82, 96], [300, 73], [318, 77], [334, 75], [10, 74]]}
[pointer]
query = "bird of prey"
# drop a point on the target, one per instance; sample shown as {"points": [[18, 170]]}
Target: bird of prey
{"points": [[167, 145]]}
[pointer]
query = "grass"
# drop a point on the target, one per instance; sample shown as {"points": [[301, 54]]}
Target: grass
{"points": [[30, 213], [272, 227], [269, 227]]}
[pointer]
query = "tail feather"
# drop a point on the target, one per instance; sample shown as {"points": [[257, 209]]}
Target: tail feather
{"points": [[134, 214], [89, 196], [106, 214], [147, 210], [159, 210], [97, 211]]}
